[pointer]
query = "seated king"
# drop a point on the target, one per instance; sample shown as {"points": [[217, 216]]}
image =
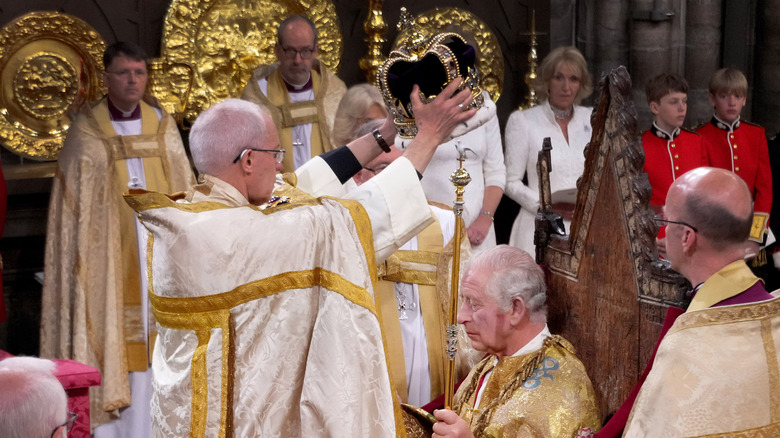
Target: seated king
{"points": [[531, 383]]}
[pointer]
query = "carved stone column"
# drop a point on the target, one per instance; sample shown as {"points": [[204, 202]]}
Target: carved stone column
{"points": [[602, 34], [766, 93], [702, 55], [651, 34]]}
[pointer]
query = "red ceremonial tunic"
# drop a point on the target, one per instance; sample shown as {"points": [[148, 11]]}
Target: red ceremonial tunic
{"points": [[742, 149], [669, 156]]}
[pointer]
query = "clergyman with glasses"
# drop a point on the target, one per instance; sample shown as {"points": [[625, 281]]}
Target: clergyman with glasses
{"points": [[715, 372], [94, 282], [262, 286], [299, 92]]}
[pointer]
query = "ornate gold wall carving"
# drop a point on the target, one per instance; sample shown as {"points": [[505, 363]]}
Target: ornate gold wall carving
{"points": [[220, 42], [50, 64], [375, 28]]}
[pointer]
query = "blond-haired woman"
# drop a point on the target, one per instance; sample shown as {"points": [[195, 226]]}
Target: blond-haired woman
{"points": [[361, 103], [563, 82]]}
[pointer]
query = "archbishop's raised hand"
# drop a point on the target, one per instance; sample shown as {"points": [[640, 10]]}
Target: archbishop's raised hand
{"points": [[436, 120]]}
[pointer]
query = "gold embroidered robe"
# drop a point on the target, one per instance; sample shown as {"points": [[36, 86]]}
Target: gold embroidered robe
{"points": [[717, 370], [321, 112], [555, 400], [267, 317], [91, 304]]}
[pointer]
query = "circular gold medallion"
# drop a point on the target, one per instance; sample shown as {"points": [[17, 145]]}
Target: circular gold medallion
{"points": [[45, 85], [50, 64], [490, 61], [211, 47]]}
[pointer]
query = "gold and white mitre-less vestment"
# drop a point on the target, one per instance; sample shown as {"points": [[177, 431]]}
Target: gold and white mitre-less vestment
{"points": [[267, 321], [716, 374], [412, 297]]}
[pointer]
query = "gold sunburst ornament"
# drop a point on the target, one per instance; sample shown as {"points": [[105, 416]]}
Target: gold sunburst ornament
{"points": [[50, 64], [211, 47]]}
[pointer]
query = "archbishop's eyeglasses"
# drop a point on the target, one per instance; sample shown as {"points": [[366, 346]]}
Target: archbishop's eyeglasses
{"points": [[306, 52], [661, 221], [278, 154], [67, 424]]}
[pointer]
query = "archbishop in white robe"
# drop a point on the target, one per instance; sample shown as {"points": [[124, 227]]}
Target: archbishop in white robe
{"points": [[267, 324]]}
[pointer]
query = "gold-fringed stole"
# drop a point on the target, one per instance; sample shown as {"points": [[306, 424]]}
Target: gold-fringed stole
{"points": [[416, 267], [149, 146], [365, 233], [201, 314], [118, 148], [391, 330], [431, 241], [293, 114], [770, 347]]}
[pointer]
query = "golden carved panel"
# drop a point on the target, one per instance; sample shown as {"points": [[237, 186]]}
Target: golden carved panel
{"points": [[490, 61], [211, 47], [50, 63]]}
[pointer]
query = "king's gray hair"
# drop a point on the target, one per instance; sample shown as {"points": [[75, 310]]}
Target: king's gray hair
{"points": [[514, 275]]}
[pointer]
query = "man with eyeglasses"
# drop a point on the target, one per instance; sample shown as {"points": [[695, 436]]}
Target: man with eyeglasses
{"points": [[299, 92], [95, 279], [715, 371], [33, 403], [262, 285]]}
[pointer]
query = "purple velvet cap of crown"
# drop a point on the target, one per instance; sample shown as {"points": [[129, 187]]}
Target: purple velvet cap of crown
{"points": [[429, 72]]}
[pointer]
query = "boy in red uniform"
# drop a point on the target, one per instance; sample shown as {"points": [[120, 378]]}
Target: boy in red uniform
{"points": [[739, 146], [670, 149]]}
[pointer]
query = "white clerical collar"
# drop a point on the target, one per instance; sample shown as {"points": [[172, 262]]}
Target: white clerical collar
{"points": [[119, 115], [308, 85], [536, 343]]}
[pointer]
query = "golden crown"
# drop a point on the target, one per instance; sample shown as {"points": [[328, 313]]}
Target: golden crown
{"points": [[431, 63]]}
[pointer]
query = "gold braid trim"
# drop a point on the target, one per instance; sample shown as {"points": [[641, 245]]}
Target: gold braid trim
{"points": [[482, 421], [768, 431]]}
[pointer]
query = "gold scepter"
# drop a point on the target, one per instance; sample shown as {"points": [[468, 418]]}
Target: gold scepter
{"points": [[459, 178]]}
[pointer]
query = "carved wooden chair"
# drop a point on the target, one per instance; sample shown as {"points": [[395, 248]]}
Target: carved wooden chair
{"points": [[608, 290]]}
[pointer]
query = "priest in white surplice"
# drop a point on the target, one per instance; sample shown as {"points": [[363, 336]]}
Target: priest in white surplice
{"points": [[412, 297], [266, 314], [300, 93], [93, 300]]}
